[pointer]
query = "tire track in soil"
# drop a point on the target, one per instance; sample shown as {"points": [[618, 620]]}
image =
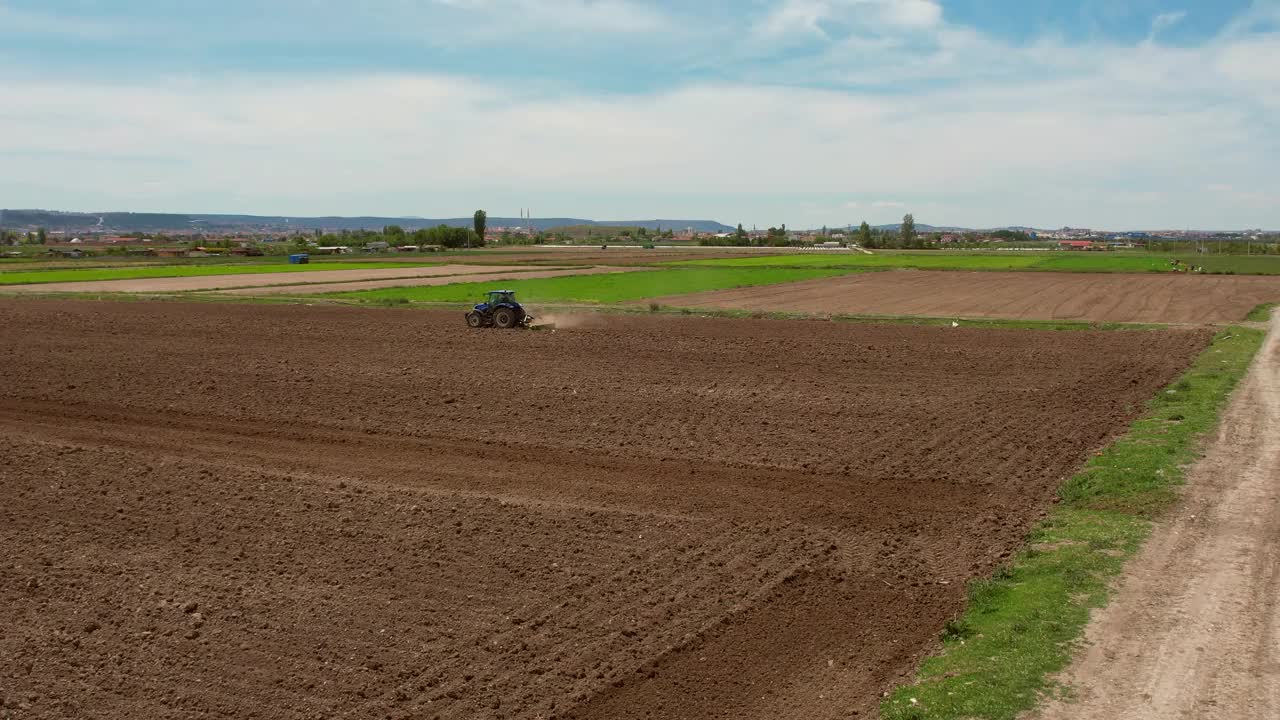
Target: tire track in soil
{"points": [[696, 518]]}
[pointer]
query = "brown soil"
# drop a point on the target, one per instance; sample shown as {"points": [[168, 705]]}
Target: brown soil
{"points": [[523, 274], [295, 512], [1194, 631], [257, 280], [1027, 295]]}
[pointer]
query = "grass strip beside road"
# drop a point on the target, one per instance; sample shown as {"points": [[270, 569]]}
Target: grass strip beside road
{"points": [[1022, 625], [599, 288], [1262, 313], [27, 277]]}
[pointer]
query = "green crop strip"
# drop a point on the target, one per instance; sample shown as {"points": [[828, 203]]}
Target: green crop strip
{"points": [[1022, 625], [610, 287]]}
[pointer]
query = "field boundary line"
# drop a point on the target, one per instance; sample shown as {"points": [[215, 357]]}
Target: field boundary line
{"points": [[1022, 626]]}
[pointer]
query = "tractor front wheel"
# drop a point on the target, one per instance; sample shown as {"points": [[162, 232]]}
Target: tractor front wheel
{"points": [[504, 318], [474, 320]]}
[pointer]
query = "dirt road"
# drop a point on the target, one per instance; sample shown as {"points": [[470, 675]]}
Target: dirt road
{"points": [[1194, 632], [1147, 297]]}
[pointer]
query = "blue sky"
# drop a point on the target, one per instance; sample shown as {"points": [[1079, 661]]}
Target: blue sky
{"points": [[1104, 113]]}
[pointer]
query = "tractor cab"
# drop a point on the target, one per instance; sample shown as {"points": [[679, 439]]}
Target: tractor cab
{"points": [[501, 297], [500, 309]]}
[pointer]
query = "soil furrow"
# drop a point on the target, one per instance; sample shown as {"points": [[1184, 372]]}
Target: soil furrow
{"points": [[223, 510]]}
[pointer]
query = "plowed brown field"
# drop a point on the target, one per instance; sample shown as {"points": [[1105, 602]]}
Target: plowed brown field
{"points": [[298, 512], [1028, 295]]}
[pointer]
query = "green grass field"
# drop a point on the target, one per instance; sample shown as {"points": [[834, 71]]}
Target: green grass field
{"points": [[1135, 262], [602, 288], [1043, 261], [48, 271], [19, 277], [998, 659]]}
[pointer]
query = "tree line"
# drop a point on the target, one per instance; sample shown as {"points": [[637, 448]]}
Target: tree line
{"points": [[13, 237]]}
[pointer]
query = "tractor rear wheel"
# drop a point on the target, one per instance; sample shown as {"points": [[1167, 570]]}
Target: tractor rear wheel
{"points": [[504, 318], [474, 320]]}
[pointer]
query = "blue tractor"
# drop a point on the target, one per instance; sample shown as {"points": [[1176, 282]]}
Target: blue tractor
{"points": [[501, 310]]}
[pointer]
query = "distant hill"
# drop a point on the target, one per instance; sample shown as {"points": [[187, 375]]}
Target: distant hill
{"points": [[921, 227], [173, 222], [107, 221], [699, 225]]}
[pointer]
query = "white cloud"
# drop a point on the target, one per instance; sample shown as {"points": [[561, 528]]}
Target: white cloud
{"points": [[1166, 20], [803, 16], [1043, 133], [913, 13], [284, 23], [1261, 16], [861, 17], [596, 15], [522, 16], [1060, 146], [1255, 63]]}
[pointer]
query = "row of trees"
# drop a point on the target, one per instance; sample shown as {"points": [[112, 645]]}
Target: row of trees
{"points": [[773, 237], [442, 235], [393, 235], [13, 237], [905, 237], [643, 233]]}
